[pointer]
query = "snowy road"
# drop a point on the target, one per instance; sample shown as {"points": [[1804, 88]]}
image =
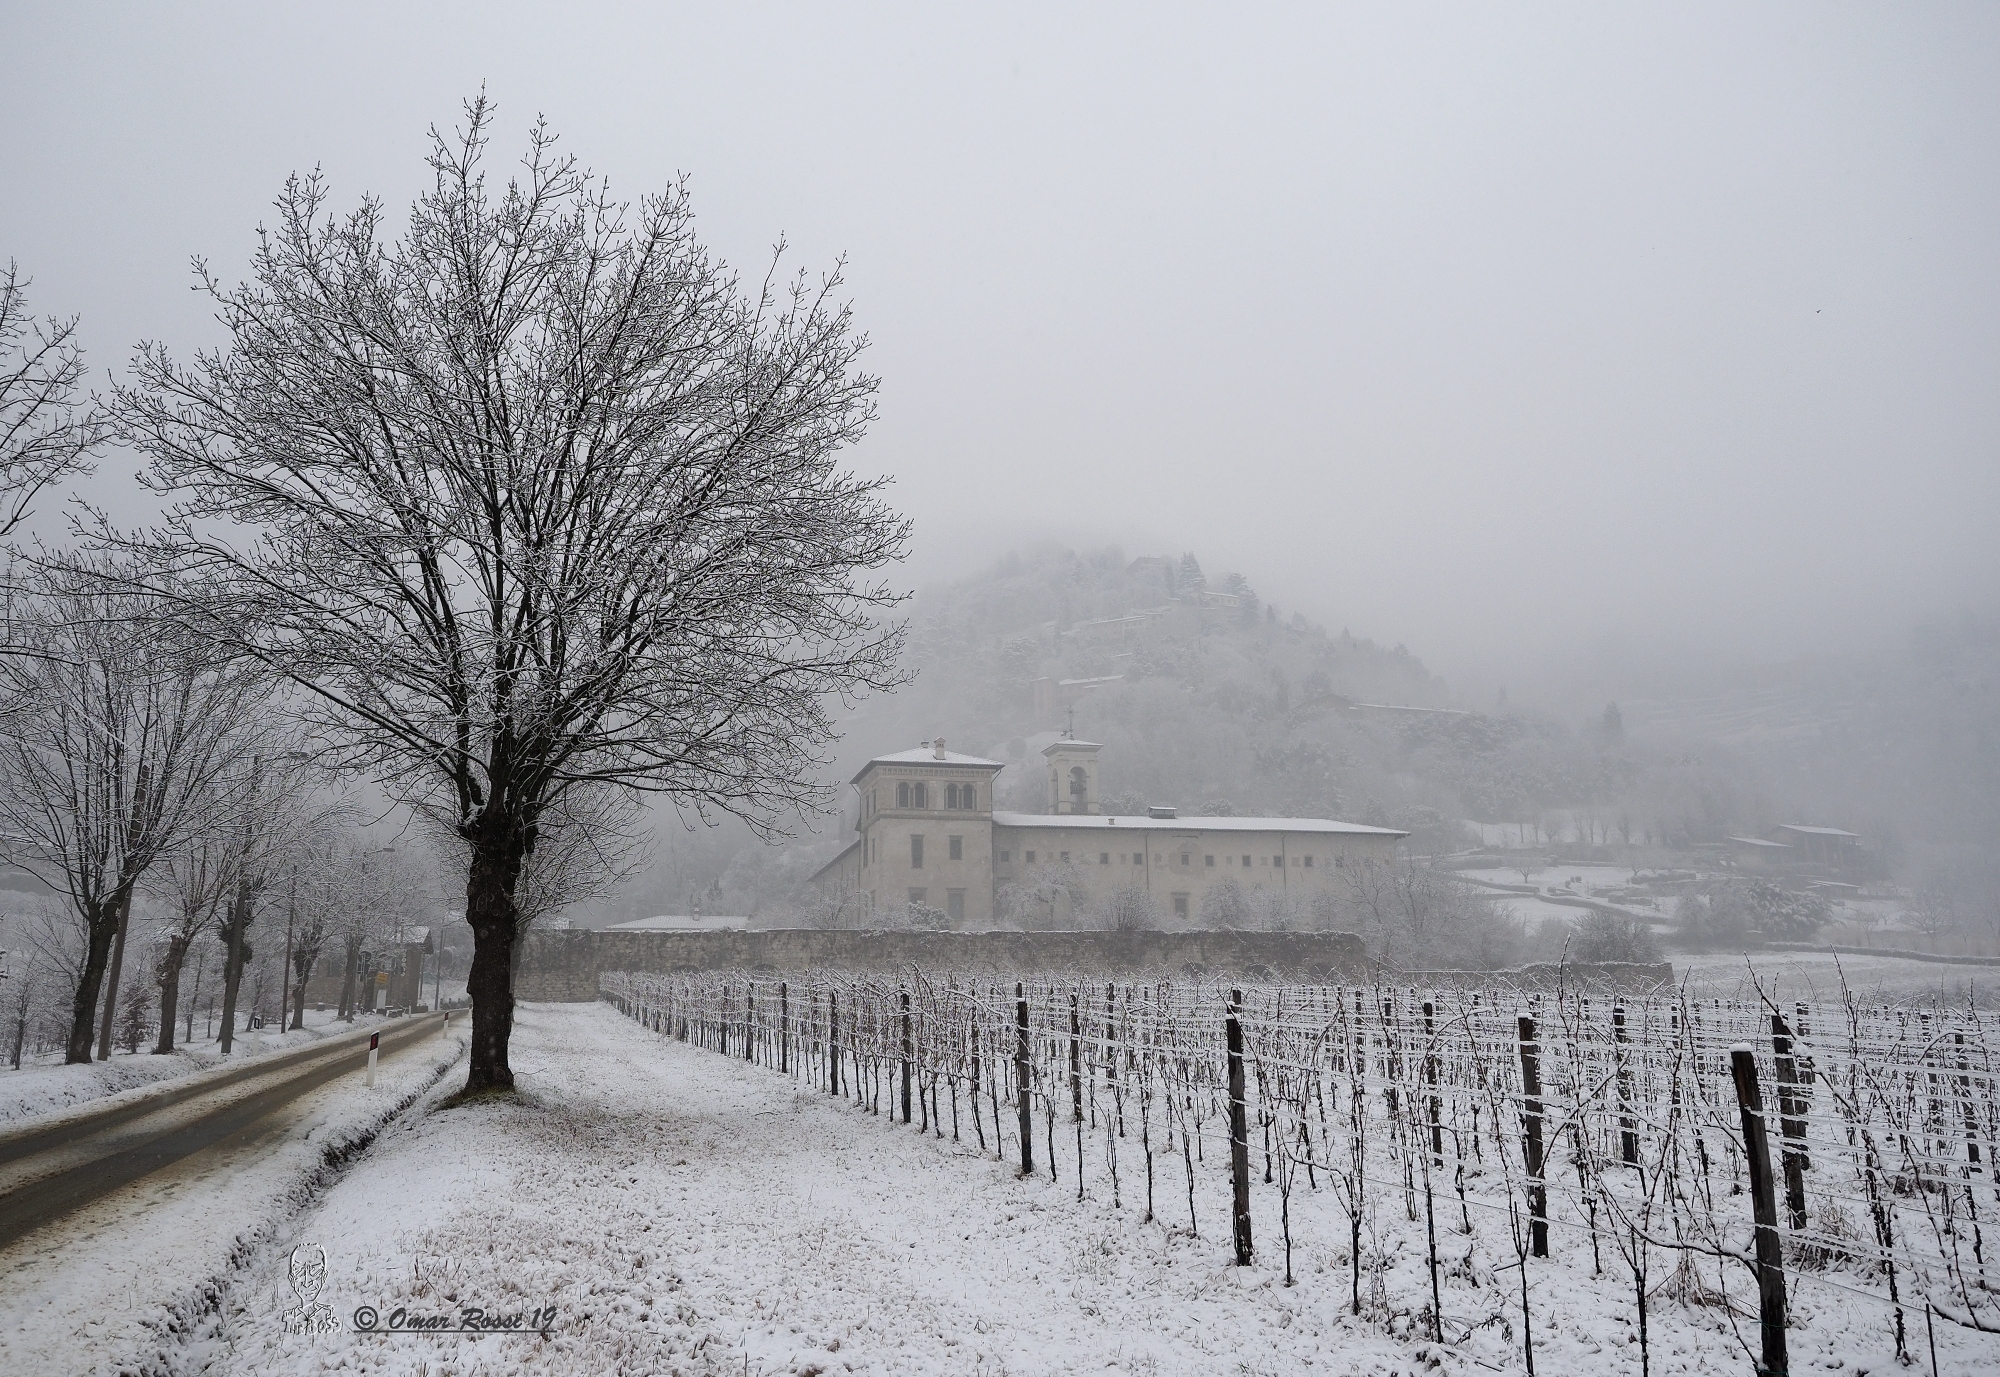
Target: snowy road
{"points": [[46, 1174], [110, 1285]]}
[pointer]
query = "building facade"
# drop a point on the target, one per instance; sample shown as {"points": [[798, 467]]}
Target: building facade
{"points": [[927, 835]]}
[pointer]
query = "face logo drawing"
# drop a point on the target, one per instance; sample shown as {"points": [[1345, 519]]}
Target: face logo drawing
{"points": [[308, 1272]]}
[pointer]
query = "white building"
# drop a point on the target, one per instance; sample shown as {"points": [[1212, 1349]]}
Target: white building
{"points": [[927, 834]]}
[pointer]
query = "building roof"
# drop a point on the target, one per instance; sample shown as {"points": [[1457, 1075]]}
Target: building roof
{"points": [[1759, 841], [1129, 823], [682, 922], [1816, 831], [925, 755], [1071, 743]]}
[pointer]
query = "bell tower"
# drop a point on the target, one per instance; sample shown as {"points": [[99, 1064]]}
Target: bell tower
{"points": [[1072, 775]]}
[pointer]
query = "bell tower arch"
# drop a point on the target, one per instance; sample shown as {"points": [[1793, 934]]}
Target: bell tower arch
{"points": [[1072, 774]]}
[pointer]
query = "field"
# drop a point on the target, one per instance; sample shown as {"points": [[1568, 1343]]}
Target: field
{"points": [[1485, 1174]]}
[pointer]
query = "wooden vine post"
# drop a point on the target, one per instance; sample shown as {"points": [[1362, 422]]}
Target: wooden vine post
{"points": [[1764, 1201], [1791, 1108], [1021, 1078], [1239, 1134], [832, 1043], [1628, 1126], [908, 1050], [1531, 1116], [1433, 1106], [784, 1028]]}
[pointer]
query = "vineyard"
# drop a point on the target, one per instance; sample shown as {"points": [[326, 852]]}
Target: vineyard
{"points": [[1716, 1156]]}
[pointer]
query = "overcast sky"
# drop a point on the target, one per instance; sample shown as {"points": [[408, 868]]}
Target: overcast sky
{"points": [[1498, 331]]}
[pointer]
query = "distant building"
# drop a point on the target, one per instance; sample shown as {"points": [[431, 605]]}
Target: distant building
{"points": [[1795, 847], [927, 834], [1828, 846]]}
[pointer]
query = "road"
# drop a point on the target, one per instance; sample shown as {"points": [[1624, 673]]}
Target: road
{"points": [[48, 1174]]}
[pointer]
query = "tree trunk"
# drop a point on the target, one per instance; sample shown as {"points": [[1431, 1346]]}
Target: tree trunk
{"points": [[237, 954], [83, 1011], [124, 905], [489, 909], [347, 981], [170, 990]]}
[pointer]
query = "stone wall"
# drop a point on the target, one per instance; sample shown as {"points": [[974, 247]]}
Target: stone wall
{"points": [[563, 965]]}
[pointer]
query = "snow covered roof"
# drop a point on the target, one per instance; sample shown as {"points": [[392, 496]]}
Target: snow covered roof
{"points": [[1126, 822], [925, 755], [682, 922], [1759, 841], [1816, 831], [1070, 743]]}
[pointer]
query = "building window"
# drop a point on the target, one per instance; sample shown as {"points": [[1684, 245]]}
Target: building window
{"points": [[1208, 861], [1104, 858], [918, 896], [1184, 858], [968, 796], [1340, 862], [1138, 858], [920, 795], [1180, 906], [903, 794], [954, 905], [1309, 863], [1065, 856], [1006, 856], [916, 851], [1246, 860], [955, 847], [1031, 858], [1278, 860]]}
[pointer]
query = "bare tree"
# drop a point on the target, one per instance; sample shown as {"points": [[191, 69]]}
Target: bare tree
{"points": [[23, 977], [47, 428], [278, 819], [318, 899], [532, 498], [195, 882], [118, 729]]}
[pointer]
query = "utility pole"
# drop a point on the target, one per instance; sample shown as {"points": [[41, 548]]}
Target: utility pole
{"points": [[285, 971]]}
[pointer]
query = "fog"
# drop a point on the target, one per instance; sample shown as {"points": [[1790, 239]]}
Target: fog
{"points": [[1537, 342]]}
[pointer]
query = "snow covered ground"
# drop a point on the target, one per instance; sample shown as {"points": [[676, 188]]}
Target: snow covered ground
{"points": [[118, 1284], [1815, 976], [665, 1209], [47, 1087]]}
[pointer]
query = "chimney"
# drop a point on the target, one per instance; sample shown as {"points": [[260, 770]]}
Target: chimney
{"points": [[938, 748]]}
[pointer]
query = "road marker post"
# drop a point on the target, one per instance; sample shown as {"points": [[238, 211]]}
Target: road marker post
{"points": [[374, 1046]]}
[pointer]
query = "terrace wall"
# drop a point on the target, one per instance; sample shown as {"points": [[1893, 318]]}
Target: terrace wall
{"points": [[563, 965]]}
